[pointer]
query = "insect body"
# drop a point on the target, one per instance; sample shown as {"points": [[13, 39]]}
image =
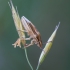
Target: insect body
{"points": [[32, 32]]}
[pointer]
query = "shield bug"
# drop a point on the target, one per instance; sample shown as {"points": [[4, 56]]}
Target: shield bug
{"points": [[32, 32]]}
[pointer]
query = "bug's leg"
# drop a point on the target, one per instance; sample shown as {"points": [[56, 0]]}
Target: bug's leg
{"points": [[28, 38], [27, 45], [23, 38], [17, 43], [22, 30]]}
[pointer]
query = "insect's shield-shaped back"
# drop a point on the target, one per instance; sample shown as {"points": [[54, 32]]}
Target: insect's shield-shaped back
{"points": [[32, 31]]}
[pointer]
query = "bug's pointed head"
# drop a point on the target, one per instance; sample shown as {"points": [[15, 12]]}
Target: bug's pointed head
{"points": [[40, 44]]}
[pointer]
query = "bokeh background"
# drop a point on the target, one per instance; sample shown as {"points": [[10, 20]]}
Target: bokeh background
{"points": [[45, 15]]}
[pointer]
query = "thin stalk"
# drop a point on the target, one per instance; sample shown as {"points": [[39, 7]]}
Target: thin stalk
{"points": [[38, 66], [28, 59]]}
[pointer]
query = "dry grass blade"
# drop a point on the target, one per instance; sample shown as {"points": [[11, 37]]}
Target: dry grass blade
{"points": [[18, 25], [19, 29], [47, 47]]}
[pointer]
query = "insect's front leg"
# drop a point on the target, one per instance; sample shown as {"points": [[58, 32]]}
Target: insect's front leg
{"points": [[27, 45], [17, 43], [28, 38], [22, 30]]}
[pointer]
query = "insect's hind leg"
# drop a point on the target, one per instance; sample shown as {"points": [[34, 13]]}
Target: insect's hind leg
{"points": [[27, 45]]}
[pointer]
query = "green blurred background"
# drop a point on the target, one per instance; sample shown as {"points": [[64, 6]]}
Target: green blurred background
{"points": [[45, 15]]}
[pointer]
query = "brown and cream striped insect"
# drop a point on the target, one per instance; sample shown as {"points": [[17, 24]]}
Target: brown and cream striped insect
{"points": [[32, 32]]}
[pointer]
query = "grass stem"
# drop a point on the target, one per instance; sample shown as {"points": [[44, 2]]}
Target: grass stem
{"points": [[38, 66], [28, 59]]}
